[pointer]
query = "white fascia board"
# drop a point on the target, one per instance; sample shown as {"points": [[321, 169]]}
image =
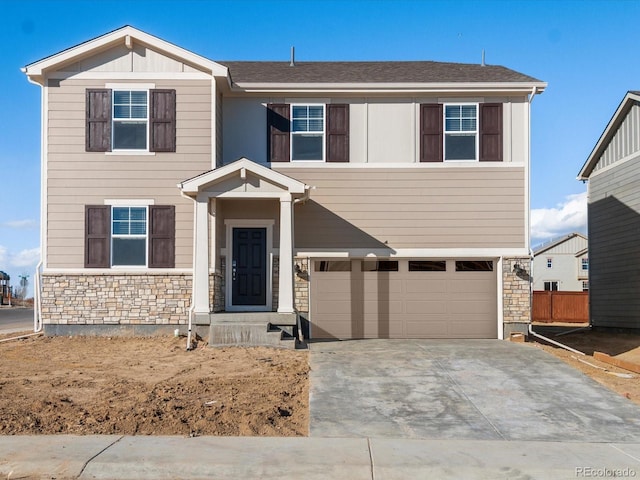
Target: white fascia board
{"points": [[607, 134], [36, 69], [458, 87], [441, 253]]}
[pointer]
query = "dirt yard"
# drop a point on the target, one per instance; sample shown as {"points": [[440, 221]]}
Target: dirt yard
{"points": [[150, 386], [625, 345]]}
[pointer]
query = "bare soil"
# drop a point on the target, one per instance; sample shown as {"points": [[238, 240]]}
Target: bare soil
{"points": [[622, 345], [150, 386]]}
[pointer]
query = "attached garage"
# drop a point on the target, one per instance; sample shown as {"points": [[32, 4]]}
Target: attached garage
{"points": [[454, 298]]}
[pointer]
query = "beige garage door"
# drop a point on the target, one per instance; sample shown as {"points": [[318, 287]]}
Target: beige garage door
{"points": [[403, 299]]}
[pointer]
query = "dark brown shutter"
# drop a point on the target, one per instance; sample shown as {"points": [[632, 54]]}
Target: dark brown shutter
{"points": [[98, 120], [491, 132], [162, 236], [162, 118], [97, 238], [278, 132], [431, 132], [337, 133]]}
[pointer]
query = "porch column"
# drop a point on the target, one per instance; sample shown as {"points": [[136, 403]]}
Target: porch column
{"points": [[201, 256], [285, 279]]}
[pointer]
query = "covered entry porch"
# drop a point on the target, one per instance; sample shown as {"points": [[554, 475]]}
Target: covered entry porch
{"points": [[243, 247]]}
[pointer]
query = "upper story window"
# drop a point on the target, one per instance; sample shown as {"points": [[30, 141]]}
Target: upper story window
{"points": [[584, 264], [129, 236], [307, 132], [461, 132], [130, 120], [549, 262]]}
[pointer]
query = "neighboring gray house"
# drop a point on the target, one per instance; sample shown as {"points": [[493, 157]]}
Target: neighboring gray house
{"points": [[562, 264], [613, 174], [374, 199]]}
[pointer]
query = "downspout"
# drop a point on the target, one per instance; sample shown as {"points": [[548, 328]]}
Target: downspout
{"points": [[37, 300], [531, 332], [193, 273]]}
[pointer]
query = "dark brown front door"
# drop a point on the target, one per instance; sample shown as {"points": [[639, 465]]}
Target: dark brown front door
{"points": [[249, 267]]}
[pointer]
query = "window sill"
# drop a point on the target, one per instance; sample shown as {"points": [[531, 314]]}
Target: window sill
{"points": [[131, 152]]}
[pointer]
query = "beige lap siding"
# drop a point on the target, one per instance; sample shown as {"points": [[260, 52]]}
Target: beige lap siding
{"points": [[455, 207], [77, 178]]}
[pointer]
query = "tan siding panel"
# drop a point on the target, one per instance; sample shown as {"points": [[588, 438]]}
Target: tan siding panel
{"points": [[77, 178], [453, 207]]}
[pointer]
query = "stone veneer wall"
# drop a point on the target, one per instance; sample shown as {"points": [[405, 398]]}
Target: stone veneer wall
{"points": [[301, 285], [275, 284], [116, 299], [516, 300]]}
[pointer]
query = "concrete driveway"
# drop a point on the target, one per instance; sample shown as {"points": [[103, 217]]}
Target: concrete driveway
{"points": [[460, 389]]}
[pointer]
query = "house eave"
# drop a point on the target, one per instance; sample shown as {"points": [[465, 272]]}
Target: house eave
{"points": [[36, 71], [445, 87], [607, 135]]}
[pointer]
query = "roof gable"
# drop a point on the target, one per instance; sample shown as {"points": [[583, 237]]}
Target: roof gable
{"points": [[572, 242], [243, 175], [618, 118], [112, 47]]}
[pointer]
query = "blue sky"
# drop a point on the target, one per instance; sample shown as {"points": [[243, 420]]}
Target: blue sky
{"points": [[583, 49]]}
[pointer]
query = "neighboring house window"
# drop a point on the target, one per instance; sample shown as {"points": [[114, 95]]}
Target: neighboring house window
{"points": [[133, 120], [130, 120], [585, 264], [461, 132], [551, 286], [129, 236], [585, 286], [132, 236], [549, 262], [309, 132]]}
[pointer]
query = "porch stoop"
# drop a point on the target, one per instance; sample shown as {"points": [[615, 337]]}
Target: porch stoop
{"points": [[252, 329]]}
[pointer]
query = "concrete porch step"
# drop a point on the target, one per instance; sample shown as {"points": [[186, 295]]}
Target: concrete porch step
{"points": [[254, 329]]}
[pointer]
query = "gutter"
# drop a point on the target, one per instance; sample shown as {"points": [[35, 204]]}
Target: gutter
{"points": [[193, 273]]}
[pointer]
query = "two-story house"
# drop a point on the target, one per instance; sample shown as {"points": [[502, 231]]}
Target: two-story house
{"points": [[371, 199], [562, 264]]}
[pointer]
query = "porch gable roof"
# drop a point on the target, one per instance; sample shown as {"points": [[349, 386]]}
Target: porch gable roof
{"points": [[241, 168]]}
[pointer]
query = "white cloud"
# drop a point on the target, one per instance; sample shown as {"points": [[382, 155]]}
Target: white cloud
{"points": [[568, 216], [26, 258], [22, 224]]}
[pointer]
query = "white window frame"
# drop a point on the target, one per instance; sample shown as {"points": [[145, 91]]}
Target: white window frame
{"points": [[324, 131], [549, 262], [585, 285], [551, 282], [129, 88], [145, 236], [584, 262], [445, 132]]}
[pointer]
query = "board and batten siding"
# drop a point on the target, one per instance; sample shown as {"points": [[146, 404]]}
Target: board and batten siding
{"points": [[614, 246], [76, 178], [625, 142], [381, 130], [457, 207]]}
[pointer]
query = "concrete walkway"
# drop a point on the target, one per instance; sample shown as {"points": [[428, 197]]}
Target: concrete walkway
{"points": [[130, 457], [460, 390]]}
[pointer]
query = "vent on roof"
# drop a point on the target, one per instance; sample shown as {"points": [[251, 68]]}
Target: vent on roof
{"points": [[292, 63], [483, 64]]}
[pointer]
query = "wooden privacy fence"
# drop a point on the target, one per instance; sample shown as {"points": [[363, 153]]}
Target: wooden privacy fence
{"points": [[567, 307]]}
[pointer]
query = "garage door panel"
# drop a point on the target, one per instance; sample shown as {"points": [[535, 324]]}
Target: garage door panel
{"points": [[403, 303], [425, 307]]}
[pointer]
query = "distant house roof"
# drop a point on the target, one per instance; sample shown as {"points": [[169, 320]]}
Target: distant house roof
{"points": [[371, 72], [555, 242], [629, 99]]}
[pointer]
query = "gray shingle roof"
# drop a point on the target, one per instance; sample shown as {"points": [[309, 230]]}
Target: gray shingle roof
{"points": [[370, 72]]}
